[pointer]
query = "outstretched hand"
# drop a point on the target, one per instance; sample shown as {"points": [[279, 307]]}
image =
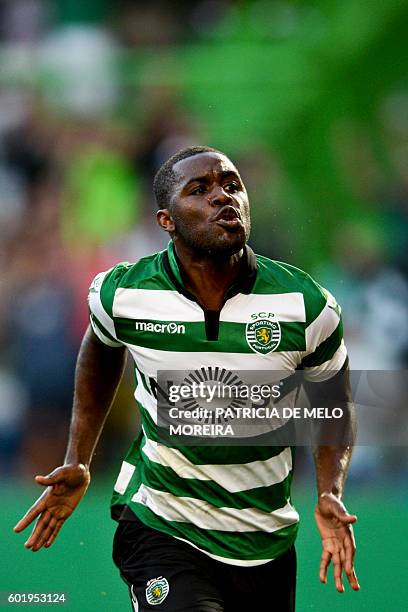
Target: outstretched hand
{"points": [[335, 527], [66, 486]]}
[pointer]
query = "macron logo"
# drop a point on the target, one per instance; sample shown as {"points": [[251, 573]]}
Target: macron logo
{"points": [[161, 328]]}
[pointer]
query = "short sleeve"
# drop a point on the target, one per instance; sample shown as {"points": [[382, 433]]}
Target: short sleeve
{"points": [[100, 301], [325, 349]]}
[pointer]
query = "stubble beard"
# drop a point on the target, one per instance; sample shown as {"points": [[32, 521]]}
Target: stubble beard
{"points": [[211, 245]]}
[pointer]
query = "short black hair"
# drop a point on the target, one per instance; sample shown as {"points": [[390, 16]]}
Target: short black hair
{"points": [[165, 178]]}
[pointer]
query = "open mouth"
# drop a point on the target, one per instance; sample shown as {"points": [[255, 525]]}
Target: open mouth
{"points": [[228, 213]]}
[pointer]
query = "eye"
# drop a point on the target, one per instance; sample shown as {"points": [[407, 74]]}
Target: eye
{"points": [[233, 186], [199, 190]]}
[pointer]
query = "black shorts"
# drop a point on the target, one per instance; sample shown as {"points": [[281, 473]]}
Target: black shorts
{"points": [[164, 573]]}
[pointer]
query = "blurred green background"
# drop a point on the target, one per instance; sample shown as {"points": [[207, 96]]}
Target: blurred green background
{"points": [[310, 99]]}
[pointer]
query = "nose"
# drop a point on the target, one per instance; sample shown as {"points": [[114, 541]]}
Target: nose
{"points": [[219, 197]]}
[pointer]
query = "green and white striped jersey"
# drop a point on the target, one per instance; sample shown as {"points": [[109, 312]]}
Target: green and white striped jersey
{"points": [[231, 502]]}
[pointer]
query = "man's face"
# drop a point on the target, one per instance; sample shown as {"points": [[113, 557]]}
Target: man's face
{"points": [[209, 204]]}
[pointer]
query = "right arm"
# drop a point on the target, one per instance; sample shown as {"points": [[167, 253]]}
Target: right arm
{"points": [[98, 373]]}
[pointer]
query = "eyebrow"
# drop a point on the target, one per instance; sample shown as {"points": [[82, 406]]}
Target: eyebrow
{"points": [[204, 179]]}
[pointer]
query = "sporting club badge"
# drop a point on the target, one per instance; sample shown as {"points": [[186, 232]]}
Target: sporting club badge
{"points": [[263, 335], [157, 590]]}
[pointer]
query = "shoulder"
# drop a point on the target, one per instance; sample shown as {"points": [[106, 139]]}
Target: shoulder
{"points": [[128, 275], [282, 277], [144, 273]]}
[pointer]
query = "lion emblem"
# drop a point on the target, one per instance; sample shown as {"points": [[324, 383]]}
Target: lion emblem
{"points": [[263, 335]]}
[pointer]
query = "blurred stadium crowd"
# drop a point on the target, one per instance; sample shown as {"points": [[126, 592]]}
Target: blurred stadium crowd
{"points": [[309, 100]]}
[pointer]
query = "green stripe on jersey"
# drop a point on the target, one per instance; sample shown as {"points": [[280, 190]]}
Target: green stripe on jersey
{"points": [[101, 327], [326, 349], [229, 545], [165, 479], [194, 335], [284, 278]]}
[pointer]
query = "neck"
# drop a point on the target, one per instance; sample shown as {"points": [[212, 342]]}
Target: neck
{"points": [[207, 275]]}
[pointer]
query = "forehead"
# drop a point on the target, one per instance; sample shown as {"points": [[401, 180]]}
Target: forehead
{"points": [[203, 164]]}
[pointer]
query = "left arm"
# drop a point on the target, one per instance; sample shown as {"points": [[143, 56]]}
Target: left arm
{"points": [[332, 455]]}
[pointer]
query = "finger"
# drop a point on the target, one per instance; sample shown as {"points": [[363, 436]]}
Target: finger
{"points": [[51, 539], [350, 550], [30, 515], [347, 519], [38, 530], [50, 479], [353, 580], [45, 535], [337, 571], [350, 540], [349, 564], [337, 509], [324, 564], [342, 515], [41, 539]]}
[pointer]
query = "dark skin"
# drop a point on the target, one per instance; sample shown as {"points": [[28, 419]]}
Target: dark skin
{"points": [[332, 457], [208, 220]]}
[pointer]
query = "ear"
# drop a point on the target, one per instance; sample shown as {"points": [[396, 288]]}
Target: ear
{"points": [[165, 220]]}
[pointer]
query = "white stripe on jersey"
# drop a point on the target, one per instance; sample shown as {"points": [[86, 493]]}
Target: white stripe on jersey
{"points": [[283, 306], [329, 368], [124, 477], [206, 516], [323, 326], [155, 305], [148, 304], [232, 477], [96, 307]]}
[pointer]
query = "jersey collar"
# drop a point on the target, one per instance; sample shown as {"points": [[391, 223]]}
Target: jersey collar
{"points": [[243, 284]]}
